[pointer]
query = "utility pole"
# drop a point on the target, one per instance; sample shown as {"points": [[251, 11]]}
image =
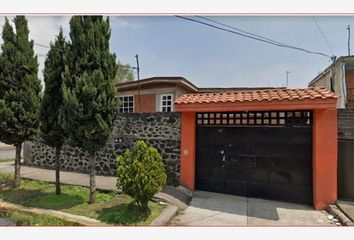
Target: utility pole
{"points": [[333, 73], [287, 79], [138, 74], [348, 28]]}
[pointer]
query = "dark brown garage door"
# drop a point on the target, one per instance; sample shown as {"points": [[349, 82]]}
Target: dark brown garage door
{"points": [[256, 154]]}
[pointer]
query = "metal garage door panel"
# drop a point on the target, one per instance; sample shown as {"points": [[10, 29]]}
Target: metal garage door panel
{"points": [[264, 162]]}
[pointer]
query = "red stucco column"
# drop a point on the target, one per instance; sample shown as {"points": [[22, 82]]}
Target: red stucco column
{"points": [[324, 157], [187, 164]]}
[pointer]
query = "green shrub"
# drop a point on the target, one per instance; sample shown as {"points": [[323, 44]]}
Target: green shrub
{"points": [[141, 173]]}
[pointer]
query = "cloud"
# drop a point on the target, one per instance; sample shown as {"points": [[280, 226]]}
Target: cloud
{"points": [[43, 30], [121, 22]]}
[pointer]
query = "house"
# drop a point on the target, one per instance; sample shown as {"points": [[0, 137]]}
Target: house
{"points": [[279, 144], [339, 78], [157, 94]]}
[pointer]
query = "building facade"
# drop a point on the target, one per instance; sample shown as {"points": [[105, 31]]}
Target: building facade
{"points": [[339, 78], [158, 94]]}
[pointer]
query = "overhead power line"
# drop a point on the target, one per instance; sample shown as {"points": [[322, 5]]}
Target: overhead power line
{"points": [[41, 45], [243, 31], [323, 36], [38, 44], [253, 36]]}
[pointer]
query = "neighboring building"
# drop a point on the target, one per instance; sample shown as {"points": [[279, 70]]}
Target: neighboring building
{"points": [[339, 78], [157, 94]]}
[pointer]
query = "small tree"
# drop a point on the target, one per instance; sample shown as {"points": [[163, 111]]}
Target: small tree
{"points": [[51, 131], [124, 73], [20, 88], [141, 173]]}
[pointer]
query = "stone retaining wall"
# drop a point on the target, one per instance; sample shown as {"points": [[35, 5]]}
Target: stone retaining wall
{"points": [[160, 130]]}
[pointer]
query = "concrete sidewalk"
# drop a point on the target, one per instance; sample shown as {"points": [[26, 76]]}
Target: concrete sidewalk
{"points": [[6, 146], [215, 209], [7, 151], [347, 207], [72, 178]]}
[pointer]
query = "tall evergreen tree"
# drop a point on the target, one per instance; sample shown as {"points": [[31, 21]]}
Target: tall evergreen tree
{"points": [[7, 59], [90, 98], [20, 99], [51, 131]]}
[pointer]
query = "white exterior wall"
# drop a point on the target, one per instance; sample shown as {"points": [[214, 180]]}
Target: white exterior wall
{"points": [[339, 82]]}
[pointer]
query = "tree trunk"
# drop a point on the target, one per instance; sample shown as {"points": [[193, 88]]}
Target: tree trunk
{"points": [[57, 170], [145, 210], [17, 165], [92, 179]]}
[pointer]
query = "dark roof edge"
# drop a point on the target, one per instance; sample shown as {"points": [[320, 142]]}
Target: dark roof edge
{"points": [[189, 84], [158, 79]]}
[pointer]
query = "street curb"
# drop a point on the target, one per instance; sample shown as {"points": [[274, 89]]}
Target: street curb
{"points": [[80, 220], [170, 199], [343, 209], [337, 212], [166, 216]]}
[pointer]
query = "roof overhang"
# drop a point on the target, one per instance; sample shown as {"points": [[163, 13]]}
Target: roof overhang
{"points": [[168, 81], [257, 106], [263, 100]]}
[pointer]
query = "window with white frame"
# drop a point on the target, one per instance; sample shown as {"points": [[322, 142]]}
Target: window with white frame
{"points": [[126, 104], [166, 102]]}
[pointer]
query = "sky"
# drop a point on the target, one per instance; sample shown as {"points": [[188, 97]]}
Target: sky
{"points": [[170, 46]]}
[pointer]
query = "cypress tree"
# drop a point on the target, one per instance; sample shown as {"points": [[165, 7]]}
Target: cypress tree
{"points": [[7, 59], [20, 98], [90, 102], [51, 131]]}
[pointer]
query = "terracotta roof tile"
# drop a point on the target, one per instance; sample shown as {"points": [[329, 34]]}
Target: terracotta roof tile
{"points": [[257, 95]]}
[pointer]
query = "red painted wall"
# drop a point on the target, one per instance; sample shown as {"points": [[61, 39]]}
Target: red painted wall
{"points": [[324, 157], [187, 163], [147, 103]]}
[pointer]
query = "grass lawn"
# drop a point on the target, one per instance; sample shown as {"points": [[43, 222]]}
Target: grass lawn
{"points": [[5, 177], [26, 219], [110, 208]]}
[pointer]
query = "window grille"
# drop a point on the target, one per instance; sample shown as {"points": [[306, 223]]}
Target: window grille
{"points": [[126, 104], [254, 118]]}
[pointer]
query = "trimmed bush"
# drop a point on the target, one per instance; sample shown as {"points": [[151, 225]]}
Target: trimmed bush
{"points": [[141, 173]]}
